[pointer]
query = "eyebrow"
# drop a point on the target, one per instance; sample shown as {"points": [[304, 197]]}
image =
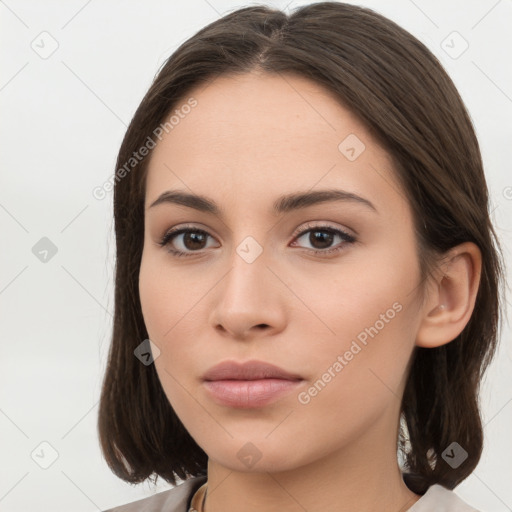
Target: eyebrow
{"points": [[283, 204]]}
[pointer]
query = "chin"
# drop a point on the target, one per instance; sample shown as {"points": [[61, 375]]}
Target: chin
{"points": [[255, 456]]}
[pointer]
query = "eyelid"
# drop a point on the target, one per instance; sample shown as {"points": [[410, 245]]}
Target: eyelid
{"points": [[321, 224], [179, 229], [302, 230], [297, 231]]}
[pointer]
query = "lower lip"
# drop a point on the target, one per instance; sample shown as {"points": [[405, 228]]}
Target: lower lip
{"points": [[247, 394]]}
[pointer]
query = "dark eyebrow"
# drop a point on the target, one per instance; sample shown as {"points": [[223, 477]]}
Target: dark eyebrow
{"points": [[283, 204]]}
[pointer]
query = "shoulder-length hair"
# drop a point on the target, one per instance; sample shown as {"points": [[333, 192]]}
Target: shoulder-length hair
{"points": [[402, 94]]}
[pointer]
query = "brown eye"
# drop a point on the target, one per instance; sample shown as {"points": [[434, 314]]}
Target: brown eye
{"points": [[321, 239], [185, 241]]}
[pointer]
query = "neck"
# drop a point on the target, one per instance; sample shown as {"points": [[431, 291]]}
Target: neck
{"points": [[360, 476]]}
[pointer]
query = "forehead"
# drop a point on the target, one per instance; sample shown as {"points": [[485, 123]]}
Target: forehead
{"points": [[249, 135]]}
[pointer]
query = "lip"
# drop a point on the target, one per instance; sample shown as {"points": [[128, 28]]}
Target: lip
{"points": [[249, 370], [248, 385]]}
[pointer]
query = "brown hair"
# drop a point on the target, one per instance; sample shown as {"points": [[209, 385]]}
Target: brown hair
{"points": [[397, 87]]}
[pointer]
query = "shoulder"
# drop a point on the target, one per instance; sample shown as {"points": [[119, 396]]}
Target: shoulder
{"points": [[440, 499], [176, 499]]}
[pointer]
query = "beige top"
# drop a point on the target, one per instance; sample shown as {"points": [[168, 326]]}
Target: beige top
{"points": [[179, 499]]}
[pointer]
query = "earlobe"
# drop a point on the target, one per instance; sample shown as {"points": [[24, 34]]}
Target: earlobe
{"points": [[452, 297]]}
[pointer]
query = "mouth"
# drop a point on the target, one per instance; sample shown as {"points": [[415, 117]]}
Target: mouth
{"points": [[248, 385]]}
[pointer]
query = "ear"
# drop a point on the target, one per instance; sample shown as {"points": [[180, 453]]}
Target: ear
{"points": [[451, 296]]}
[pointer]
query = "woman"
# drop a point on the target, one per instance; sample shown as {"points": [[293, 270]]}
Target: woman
{"points": [[307, 276]]}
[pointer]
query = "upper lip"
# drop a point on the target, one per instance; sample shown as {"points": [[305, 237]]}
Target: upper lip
{"points": [[249, 370]]}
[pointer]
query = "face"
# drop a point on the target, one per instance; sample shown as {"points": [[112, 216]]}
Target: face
{"points": [[325, 290]]}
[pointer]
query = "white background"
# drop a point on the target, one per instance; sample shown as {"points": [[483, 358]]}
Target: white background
{"points": [[63, 119]]}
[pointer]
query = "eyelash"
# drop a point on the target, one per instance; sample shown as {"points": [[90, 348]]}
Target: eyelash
{"points": [[170, 235]]}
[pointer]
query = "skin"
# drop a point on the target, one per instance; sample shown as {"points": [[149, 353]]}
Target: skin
{"points": [[250, 139]]}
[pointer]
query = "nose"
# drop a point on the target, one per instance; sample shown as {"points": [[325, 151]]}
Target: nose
{"points": [[249, 300]]}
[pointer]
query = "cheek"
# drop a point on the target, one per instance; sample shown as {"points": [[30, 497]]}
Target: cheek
{"points": [[173, 310], [164, 305], [369, 317], [164, 298], [357, 374], [364, 289]]}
